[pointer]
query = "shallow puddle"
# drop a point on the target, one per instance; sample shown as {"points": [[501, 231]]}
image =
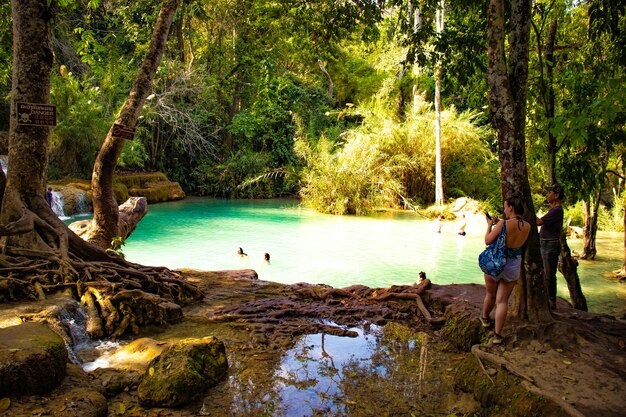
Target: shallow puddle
{"points": [[386, 371]]}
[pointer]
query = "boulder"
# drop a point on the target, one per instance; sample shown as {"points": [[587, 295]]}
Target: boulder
{"points": [[184, 370], [33, 359], [77, 396]]}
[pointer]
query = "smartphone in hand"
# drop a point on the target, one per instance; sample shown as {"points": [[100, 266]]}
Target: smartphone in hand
{"points": [[487, 215]]}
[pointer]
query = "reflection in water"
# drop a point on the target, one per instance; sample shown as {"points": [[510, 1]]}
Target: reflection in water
{"points": [[389, 370]]}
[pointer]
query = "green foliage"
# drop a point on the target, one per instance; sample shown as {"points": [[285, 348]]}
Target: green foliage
{"points": [[133, 156], [224, 180], [81, 126], [385, 163]]}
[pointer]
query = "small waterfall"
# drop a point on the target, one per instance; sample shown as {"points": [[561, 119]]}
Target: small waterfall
{"points": [[74, 319], [57, 204], [4, 162], [81, 203], [84, 351]]}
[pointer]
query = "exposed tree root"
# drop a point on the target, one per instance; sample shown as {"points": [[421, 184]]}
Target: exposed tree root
{"points": [[500, 361], [527, 381], [119, 296]]}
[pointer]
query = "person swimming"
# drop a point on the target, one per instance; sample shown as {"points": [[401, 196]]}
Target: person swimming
{"points": [[241, 253], [266, 257]]}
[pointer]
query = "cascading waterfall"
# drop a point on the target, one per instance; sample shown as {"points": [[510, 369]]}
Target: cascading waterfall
{"points": [[84, 351], [81, 204], [57, 204], [4, 162]]}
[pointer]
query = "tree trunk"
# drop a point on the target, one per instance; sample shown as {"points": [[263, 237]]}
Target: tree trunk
{"points": [[590, 228], [28, 145], [569, 269], [331, 85], [105, 210], [507, 96], [623, 271], [438, 70], [131, 213], [549, 102]]}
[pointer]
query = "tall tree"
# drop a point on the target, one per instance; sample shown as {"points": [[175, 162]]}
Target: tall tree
{"points": [[545, 28], [439, 21], [105, 210], [507, 79], [43, 255]]}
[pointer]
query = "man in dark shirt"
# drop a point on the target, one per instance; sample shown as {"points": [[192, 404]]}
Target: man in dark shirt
{"points": [[550, 235]]}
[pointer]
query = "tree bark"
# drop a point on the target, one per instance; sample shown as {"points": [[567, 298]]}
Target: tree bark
{"points": [[549, 100], [28, 145], [590, 228], [507, 96], [130, 214], [569, 268], [105, 210]]}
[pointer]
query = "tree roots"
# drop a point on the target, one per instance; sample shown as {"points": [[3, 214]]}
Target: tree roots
{"points": [[118, 297]]}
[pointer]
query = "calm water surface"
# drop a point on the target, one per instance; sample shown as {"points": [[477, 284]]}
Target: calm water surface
{"points": [[380, 251]]}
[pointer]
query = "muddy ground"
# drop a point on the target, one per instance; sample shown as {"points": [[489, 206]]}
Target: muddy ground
{"points": [[435, 365]]}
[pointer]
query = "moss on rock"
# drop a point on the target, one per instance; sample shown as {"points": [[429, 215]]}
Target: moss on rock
{"points": [[185, 369], [462, 331], [32, 359]]}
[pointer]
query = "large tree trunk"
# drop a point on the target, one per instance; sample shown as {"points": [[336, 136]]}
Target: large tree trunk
{"points": [[569, 268], [105, 210], [40, 254], [28, 145], [507, 95]]}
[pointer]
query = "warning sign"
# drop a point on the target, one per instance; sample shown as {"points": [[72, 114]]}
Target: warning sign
{"points": [[34, 114], [123, 132]]}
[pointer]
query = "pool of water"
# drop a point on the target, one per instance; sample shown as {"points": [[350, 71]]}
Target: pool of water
{"points": [[304, 245]]}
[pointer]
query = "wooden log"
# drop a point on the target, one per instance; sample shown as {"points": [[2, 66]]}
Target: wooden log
{"points": [[130, 214]]}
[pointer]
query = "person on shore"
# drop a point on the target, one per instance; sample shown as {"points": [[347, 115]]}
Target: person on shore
{"points": [[550, 239], [421, 277], [499, 289], [49, 196], [462, 226]]}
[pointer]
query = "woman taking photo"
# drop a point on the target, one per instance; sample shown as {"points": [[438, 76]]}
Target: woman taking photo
{"points": [[499, 288]]}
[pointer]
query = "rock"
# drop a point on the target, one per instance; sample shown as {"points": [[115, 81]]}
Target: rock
{"points": [[113, 381], [32, 359], [159, 192], [77, 396], [184, 370]]}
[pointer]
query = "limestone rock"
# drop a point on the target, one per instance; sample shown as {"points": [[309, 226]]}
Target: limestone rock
{"points": [[182, 371], [32, 359]]}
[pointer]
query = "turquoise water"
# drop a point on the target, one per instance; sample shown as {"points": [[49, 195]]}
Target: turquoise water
{"points": [[304, 245]]}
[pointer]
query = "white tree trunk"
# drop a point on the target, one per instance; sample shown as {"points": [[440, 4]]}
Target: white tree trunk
{"points": [[438, 69]]}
